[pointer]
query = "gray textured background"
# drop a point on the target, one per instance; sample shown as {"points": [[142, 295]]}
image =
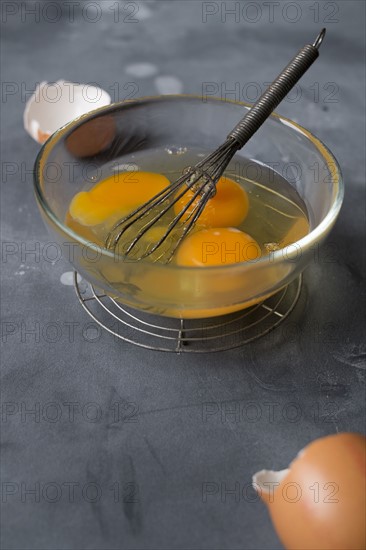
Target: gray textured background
{"points": [[299, 387]]}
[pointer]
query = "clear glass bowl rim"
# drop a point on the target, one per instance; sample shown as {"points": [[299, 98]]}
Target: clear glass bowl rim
{"points": [[303, 244]]}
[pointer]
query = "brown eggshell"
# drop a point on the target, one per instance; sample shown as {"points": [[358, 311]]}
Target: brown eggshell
{"points": [[320, 501], [92, 137], [42, 136]]}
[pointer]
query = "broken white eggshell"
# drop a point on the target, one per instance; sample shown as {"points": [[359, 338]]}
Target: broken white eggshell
{"points": [[53, 105]]}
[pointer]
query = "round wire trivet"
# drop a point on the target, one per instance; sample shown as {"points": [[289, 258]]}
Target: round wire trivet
{"points": [[187, 335]]}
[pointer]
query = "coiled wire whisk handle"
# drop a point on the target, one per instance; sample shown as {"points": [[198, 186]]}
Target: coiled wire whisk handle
{"points": [[276, 92]]}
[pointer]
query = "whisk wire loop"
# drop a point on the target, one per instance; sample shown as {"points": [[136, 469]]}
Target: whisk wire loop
{"points": [[191, 217]]}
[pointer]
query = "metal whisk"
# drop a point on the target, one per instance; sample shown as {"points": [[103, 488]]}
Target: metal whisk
{"points": [[202, 178]]}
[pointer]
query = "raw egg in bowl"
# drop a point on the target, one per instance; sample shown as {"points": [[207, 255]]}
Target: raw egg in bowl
{"points": [[254, 237]]}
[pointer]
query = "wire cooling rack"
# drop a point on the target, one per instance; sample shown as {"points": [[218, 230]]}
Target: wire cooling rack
{"points": [[186, 335]]}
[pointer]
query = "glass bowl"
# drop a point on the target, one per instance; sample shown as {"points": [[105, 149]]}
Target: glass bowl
{"points": [[79, 151]]}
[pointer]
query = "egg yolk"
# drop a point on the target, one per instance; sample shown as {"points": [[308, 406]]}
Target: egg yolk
{"points": [[116, 196], [217, 246], [228, 208]]}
